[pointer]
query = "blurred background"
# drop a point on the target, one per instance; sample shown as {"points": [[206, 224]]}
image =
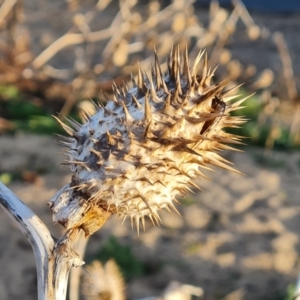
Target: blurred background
{"points": [[238, 239]]}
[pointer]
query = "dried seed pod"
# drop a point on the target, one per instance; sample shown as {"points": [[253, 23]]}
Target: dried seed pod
{"points": [[145, 147], [103, 282]]}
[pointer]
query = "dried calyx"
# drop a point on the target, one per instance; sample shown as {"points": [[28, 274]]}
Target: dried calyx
{"points": [[134, 156]]}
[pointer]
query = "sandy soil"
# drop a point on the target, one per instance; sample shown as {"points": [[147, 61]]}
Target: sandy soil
{"points": [[240, 234]]}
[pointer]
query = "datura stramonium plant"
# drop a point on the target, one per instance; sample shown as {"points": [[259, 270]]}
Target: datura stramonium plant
{"points": [[146, 147]]}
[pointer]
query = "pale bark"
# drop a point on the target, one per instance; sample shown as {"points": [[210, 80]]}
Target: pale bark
{"points": [[54, 258]]}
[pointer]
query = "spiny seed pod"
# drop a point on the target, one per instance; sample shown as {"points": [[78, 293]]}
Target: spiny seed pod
{"points": [[134, 156]]}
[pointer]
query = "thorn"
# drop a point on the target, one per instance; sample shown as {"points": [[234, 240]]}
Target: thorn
{"points": [[123, 90], [80, 163], [225, 93], [146, 202], [230, 98], [140, 78], [115, 87], [73, 123], [170, 59], [239, 102], [131, 221], [110, 138], [210, 75], [222, 165], [104, 95], [66, 128], [217, 89], [64, 138], [168, 209], [151, 218], [115, 99], [194, 68], [143, 223], [66, 144], [134, 84], [159, 181], [186, 70], [137, 224], [193, 184], [190, 190], [128, 117], [107, 111], [146, 82], [157, 218], [175, 64], [152, 91], [175, 96], [93, 184], [85, 115], [147, 109], [167, 103], [96, 106], [124, 218], [159, 76], [175, 209], [137, 103], [178, 83], [97, 153], [166, 90], [204, 72]]}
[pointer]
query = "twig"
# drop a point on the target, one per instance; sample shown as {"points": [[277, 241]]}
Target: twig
{"points": [[5, 9], [243, 13], [69, 103], [252, 29], [70, 39], [223, 33], [77, 38], [295, 125], [163, 15]]}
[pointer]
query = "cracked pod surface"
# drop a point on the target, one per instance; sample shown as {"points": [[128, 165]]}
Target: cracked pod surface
{"points": [[135, 155]]}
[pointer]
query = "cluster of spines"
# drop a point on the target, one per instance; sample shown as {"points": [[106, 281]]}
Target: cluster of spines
{"points": [[166, 93], [147, 88]]}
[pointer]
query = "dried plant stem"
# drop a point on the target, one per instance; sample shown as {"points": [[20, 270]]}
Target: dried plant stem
{"points": [[35, 231], [5, 9], [74, 284], [286, 65], [70, 39], [109, 33], [222, 36], [164, 14], [53, 258], [243, 12], [295, 125], [64, 258]]}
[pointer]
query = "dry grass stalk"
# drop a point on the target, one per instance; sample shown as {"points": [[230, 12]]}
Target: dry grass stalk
{"points": [[287, 65], [103, 282]]}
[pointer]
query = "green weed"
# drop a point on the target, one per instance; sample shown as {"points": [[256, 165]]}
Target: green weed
{"points": [[130, 266]]}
